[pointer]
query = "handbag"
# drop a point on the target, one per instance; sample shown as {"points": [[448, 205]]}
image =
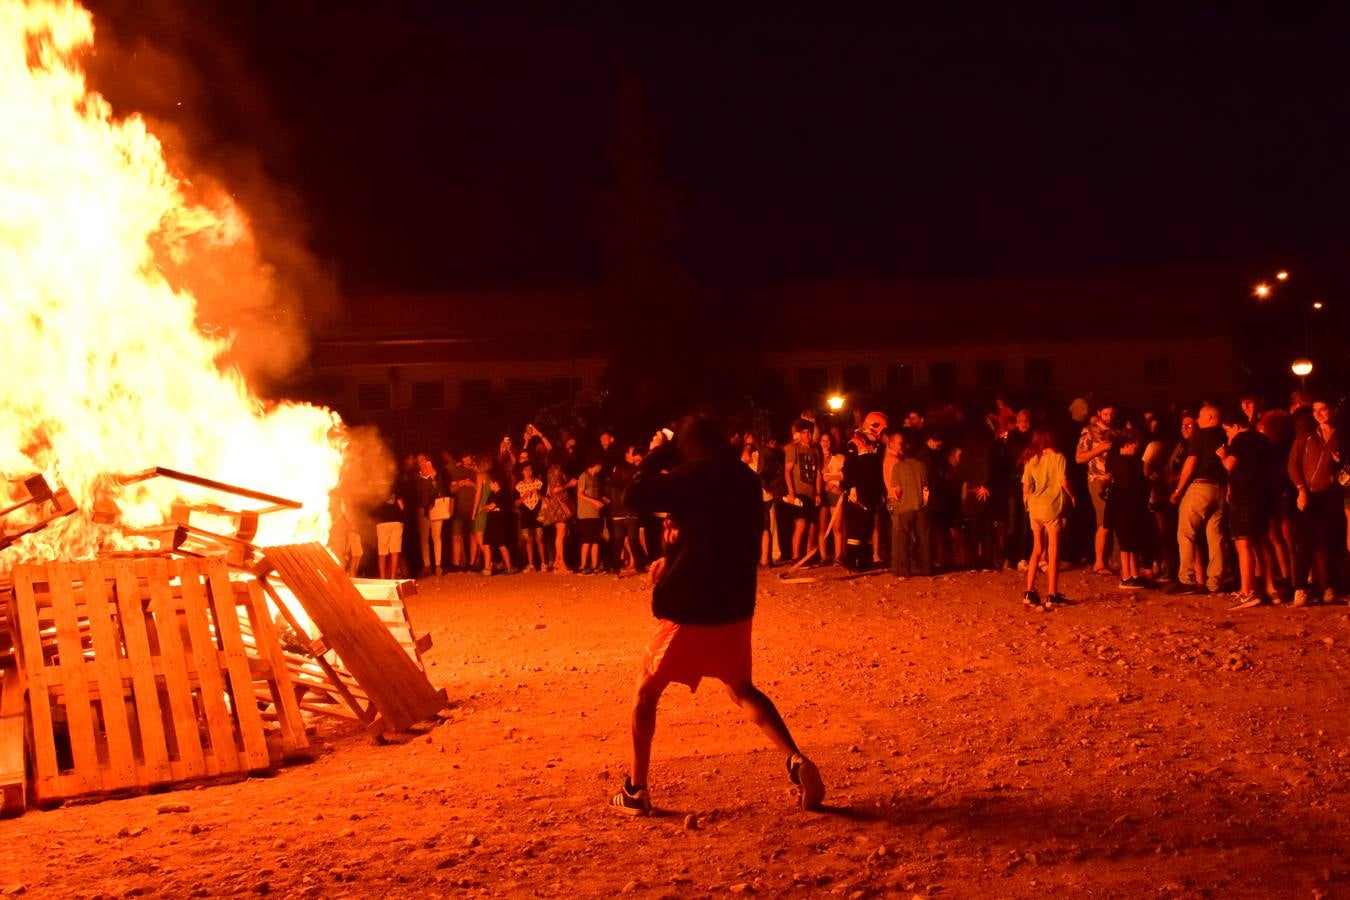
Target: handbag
{"points": [[440, 509]]}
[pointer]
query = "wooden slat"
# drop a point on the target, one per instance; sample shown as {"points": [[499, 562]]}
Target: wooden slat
{"points": [[29, 644], [86, 777], [144, 686], [265, 639], [120, 771], [221, 598], [13, 771], [169, 638], [202, 656], [399, 691], [361, 712]]}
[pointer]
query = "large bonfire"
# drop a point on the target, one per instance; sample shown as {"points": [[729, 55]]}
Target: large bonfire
{"points": [[106, 369]]}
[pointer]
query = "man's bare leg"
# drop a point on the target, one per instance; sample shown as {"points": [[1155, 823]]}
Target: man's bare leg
{"points": [[763, 713], [644, 727]]}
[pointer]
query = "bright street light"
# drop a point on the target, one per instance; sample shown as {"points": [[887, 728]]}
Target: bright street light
{"points": [[1317, 304], [1301, 367], [1262, 290], [1282, 275], [835, 402]]}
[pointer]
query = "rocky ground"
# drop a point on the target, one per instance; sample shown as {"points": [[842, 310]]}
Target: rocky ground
{"points": [[1133, 745]]}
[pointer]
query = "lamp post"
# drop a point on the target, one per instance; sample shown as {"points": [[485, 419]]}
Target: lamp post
{"points": [[1302, 367], [835, 402]]}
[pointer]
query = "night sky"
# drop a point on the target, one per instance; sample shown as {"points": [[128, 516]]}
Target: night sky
{"points": [[442, 146]]}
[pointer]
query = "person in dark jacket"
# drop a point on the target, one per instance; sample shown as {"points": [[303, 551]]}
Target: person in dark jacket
{"points": [[704, 596]]}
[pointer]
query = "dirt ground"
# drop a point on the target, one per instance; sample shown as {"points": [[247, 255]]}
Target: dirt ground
{"points": [[1131, 746]]}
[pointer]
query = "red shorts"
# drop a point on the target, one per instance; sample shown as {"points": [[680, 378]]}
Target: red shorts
{"points": [[688, 653]]}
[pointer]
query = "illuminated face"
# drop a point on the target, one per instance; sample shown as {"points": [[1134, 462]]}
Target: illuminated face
{"points": [[1321, 412], [826, 442], [1209, 417], [913, 420], [1107, 415], [606, 439], [1023, 421], [874, 424], [1187, 426]]}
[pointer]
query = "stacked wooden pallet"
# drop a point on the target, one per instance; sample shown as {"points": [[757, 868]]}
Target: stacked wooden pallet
{"points": [[137, 675]]}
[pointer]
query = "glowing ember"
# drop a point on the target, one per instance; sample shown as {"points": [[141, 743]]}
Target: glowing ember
{"points": [[106, 370]]}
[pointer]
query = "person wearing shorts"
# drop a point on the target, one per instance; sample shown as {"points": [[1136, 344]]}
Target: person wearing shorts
{"points": [[1246, 459], [802, 479], [703, 596], [590, 504], [1047, 498], [389, 535]]}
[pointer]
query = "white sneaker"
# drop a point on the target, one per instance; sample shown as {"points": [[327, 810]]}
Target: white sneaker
{"points": [[1328, 596], [1300, 597], [1021, 565]]}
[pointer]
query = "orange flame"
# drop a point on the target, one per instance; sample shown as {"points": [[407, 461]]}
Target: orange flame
{"points": [[105, 369]]}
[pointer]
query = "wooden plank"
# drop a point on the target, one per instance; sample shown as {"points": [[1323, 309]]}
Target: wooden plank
{"points": [[86, 777], [221, 598], [361, 712], [202, 655], [399, 691], [13, 770], [120, 770], [268, 645], [169, 640], [23, 611], [143, 665]]}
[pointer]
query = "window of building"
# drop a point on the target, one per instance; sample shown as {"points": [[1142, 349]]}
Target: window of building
{"points": [[1157, 366], [900, 375], [942, 374], [989, 373], [475, 394], [769, 386], [373, 396], [1038, 372], [857, 378], [522, 394], [563, 388], [428, 395], [812, 381]]}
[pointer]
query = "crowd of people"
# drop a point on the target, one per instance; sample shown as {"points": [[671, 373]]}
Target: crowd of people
{"points": [[1248, 500]]}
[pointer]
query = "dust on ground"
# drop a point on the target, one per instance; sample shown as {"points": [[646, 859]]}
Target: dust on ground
{"points": [[1133, 745]]}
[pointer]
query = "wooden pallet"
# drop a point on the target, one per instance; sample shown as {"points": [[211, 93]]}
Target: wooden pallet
{"points": [[138, 675], [389, 601], [398, 692], [13, 769], [344, 698]]}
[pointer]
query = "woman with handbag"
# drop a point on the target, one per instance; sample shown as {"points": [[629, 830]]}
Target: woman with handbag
{"points": [[433, 508]]}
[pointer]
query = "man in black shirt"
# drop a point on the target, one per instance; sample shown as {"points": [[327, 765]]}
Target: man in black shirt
{"points": [[704, 596], [1250, 502], [1200, 493]]}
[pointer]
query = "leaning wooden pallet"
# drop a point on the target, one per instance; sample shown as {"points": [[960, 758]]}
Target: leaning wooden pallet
{"points": [[400, 694], [323, 695], [162, 691]]}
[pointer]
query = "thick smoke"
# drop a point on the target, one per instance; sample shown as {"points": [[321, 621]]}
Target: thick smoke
{"points": [[256, 280]]}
